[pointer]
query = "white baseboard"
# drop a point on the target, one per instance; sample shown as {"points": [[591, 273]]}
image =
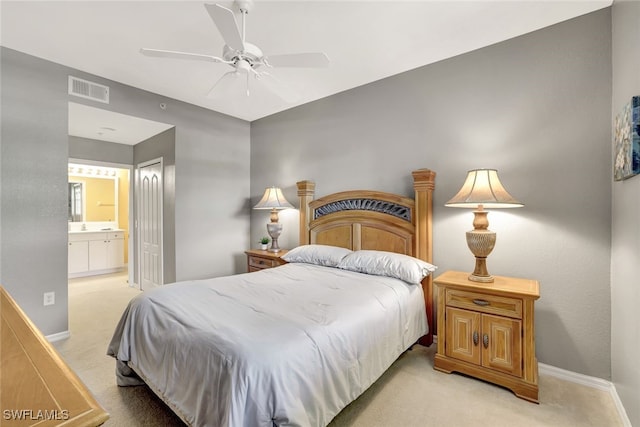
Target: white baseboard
{"points": [[95, 272], [586, 380], [58, 337]]}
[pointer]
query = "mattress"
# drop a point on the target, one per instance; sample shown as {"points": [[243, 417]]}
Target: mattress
{"points": [[286, 346]]}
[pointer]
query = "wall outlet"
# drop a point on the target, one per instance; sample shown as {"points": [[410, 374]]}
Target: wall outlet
{"points": [[49, 298]]}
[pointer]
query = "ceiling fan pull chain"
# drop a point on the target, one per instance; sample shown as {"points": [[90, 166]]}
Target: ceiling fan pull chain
{"points": [[247, 84]]}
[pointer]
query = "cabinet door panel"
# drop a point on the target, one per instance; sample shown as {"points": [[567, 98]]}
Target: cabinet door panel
{"points": [[98, 253], [504, 344], [462, 335], [116, 253], [78, 257]]}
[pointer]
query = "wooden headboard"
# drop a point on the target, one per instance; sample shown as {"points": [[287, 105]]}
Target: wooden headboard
{"points": [[374, 220]]}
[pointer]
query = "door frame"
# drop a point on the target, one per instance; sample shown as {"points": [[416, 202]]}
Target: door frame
{"points": [[132, 261], [138, 201]]}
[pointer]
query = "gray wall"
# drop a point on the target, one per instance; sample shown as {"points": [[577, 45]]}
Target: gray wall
{"points": [[212, 170], [101, 151], [34, 187], [537, 108], [212, 190], [625, 241]]}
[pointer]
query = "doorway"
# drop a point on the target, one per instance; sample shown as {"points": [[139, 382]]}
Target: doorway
{"points": [[106, 136], [100, 214]]}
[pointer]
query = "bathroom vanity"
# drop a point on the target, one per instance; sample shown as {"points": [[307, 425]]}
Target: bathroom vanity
{"points": [[94, 252]]}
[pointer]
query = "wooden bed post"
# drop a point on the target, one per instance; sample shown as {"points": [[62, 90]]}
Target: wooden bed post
{"points": [[306, 191], [423, 184]]}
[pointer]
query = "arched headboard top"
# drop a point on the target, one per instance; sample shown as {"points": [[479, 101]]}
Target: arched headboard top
{"points": [[364, 200]]}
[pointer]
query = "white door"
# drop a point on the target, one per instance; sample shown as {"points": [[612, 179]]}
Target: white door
{"points": [[150, 223]]}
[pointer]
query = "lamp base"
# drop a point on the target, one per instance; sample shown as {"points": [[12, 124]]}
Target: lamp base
{"points": [[274, 229], [480, 279], [481, 243], [480, 273]]}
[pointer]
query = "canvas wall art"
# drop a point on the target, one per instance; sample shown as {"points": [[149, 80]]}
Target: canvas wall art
{"points": [[626, 141]]}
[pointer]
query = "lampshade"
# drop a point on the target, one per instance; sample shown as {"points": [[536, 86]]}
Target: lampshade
{"points": [[483, 187], [273, 199]]}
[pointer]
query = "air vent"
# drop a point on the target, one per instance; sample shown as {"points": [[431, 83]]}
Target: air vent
{"points": [[88, 90]]}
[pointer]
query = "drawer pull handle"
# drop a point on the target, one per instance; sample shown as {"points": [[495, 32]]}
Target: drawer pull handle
{"points": [[481, 302], [485, 340], [475, 338]]}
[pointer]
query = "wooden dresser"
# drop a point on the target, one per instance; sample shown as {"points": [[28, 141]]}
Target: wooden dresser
{"points": [[38, 388], [259, 260], [486, 330]]}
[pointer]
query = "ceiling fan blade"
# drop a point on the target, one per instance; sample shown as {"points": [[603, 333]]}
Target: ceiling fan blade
{"points": [[302, 60], [180, 55], [228, 84], [226, 23], [277, 87]]}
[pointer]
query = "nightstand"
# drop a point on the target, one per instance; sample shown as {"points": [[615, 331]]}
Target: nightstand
{"points": [[259, 260], [486, 330]]}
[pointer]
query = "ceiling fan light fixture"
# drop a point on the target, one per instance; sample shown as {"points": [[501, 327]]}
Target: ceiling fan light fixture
{"points": [[243, 66]]}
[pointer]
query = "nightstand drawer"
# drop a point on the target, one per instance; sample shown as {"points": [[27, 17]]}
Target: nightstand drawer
{"points": [[258, 262], [484, 303]]}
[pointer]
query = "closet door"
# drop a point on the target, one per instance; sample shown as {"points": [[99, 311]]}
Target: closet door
{"points": [[149, 197]]}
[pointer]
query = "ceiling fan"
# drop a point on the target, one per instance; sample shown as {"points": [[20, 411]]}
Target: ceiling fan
{"points": [[245, 58]]}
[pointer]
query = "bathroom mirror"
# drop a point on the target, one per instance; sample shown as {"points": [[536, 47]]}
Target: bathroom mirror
{"points": [[76, 212], [92, 194]]}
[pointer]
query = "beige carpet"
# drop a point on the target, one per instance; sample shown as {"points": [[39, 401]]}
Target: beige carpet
{"points": [[410, 393]]}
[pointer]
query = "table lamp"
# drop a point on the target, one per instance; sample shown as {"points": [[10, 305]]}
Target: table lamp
{"points": [[482, 189], [273, 199]]}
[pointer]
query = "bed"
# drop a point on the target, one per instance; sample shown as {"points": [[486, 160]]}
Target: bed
{"points": [[291, 345]]}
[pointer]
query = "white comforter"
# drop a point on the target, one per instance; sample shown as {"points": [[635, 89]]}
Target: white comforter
{"points": [[287, 346]]}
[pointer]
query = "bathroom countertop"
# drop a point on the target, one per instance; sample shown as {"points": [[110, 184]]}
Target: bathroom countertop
{"points": [[107, 230]]}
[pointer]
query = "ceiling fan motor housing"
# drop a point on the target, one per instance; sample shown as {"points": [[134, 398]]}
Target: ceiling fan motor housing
{"points": [[251, 54], [244, 6]]}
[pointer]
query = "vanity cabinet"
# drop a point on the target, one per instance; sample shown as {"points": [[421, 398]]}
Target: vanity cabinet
{"points": [[106, 252], [92, 253]]}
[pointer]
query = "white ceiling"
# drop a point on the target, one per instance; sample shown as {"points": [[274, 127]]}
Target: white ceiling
{"points": [[103, 125], [365, 40]]}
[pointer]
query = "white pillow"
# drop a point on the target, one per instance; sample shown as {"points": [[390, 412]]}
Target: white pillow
{"points": [[380, 263], [328, 256]]}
